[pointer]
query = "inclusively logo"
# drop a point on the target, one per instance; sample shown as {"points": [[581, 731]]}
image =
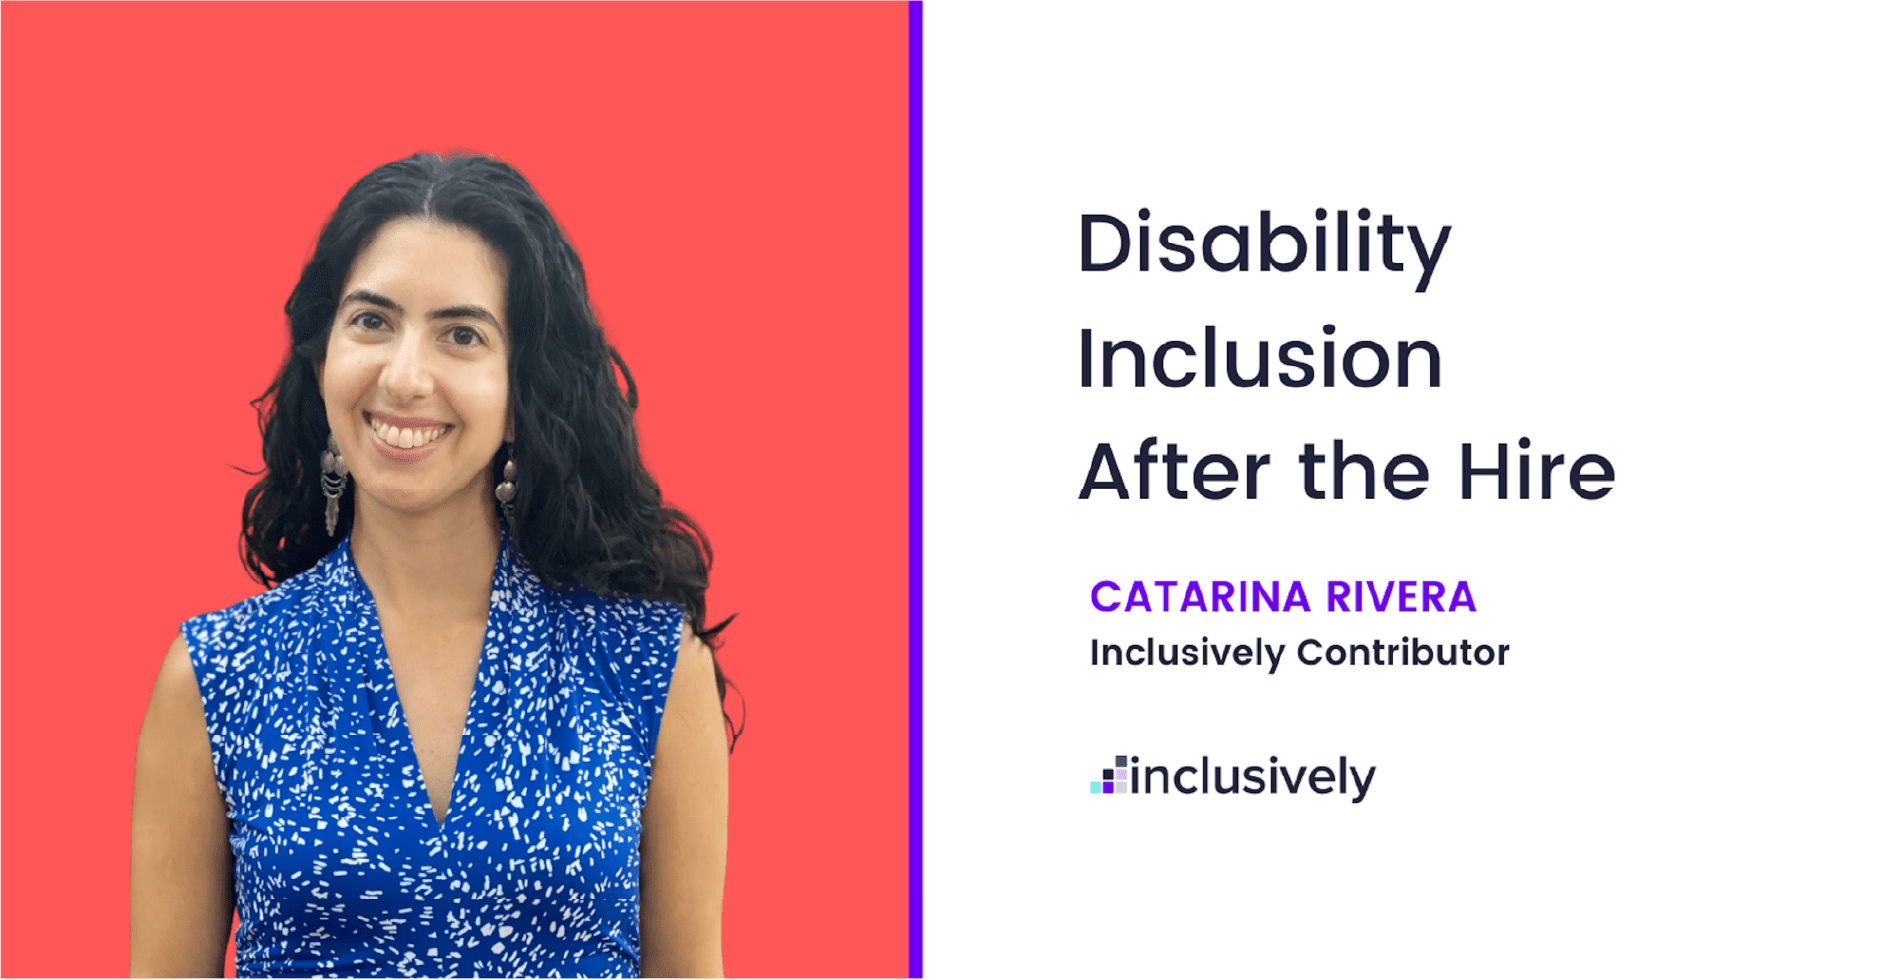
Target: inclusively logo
{"points": [[1113, 780], [1129, 778]]}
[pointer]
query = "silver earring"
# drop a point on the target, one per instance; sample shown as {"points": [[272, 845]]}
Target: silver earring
{"points": [[335, 472], [505, 491]]}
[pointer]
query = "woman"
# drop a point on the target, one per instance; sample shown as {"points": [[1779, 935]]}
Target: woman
{"points": [[475, 725]]}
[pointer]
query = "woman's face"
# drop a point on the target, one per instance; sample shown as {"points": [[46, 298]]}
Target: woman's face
{"points": [[415, 377]]}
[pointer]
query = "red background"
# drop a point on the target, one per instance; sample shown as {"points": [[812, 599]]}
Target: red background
{"points": [[734, 178]]}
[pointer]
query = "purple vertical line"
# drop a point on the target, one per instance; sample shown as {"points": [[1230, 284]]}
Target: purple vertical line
{"points": [[917, 485]]}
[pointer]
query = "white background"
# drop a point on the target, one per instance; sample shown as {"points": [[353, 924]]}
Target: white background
{"points": [[1673, 245]]}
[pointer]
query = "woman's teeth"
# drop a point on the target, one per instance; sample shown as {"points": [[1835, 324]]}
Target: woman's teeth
{"points": [[406, 438]]}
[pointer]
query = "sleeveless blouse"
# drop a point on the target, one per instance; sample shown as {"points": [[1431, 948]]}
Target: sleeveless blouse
{"points": [[341, 868]]}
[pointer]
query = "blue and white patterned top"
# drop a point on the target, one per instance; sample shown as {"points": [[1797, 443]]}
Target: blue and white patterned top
{"points": [[341, 867]]}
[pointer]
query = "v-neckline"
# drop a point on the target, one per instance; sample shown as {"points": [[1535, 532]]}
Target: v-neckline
{"points": [[491, 628]]}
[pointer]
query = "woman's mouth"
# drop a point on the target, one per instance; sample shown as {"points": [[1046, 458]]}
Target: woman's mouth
{"points": [[406, 442]]}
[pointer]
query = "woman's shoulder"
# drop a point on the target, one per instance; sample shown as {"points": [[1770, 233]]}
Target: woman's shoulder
{"points": [[632, 616], [656, 616], [635, 644], [247, 626], [634, 639]]}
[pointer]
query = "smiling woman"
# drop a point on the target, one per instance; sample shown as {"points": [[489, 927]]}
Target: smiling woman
{"points": [[474, 725], [451, 351]]}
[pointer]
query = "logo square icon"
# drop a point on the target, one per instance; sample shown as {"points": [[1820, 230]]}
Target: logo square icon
{"points": [[1115, 779]]}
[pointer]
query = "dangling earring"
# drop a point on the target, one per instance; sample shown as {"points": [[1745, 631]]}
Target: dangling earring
{"points": [[505, 490], [335, 472]]}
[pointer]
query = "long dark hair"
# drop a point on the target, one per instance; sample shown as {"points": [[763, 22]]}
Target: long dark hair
{"points": [[588, 515]]}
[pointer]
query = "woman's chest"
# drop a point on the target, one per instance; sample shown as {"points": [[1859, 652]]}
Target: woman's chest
{"points": [[544, 820], [433, 668], [543, 757]]}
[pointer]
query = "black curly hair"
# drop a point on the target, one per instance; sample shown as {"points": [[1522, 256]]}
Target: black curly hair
{"points": [[588, 515]]}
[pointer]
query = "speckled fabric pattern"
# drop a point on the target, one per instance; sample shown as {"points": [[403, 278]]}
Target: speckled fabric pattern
{"points": [[341, 867]]}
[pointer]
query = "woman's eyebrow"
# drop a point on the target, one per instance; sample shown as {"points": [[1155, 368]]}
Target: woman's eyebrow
{"points": [[374, 299], [465, 313], [468, 312]]}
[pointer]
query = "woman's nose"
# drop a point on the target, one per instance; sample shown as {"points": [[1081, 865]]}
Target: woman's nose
{"points": [[407, 376]]}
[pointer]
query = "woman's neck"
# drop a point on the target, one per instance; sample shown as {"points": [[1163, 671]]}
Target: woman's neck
{"points": [[432, 566]]}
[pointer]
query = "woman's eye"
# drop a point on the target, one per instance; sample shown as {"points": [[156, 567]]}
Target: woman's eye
{"points": [[368, 320], [464, 336]]}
